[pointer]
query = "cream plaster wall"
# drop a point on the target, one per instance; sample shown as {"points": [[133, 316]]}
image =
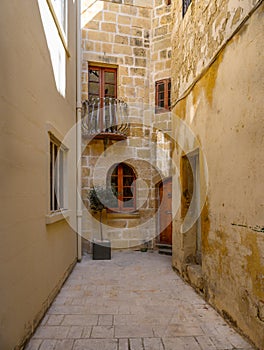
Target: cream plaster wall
{"points": [[35, 257]]}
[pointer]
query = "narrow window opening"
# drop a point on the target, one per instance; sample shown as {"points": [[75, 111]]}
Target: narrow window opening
{"points": [[185, 5], [163, 95], [57, 169]]}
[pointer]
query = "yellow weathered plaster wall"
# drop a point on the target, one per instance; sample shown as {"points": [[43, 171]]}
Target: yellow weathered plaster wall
{"points": [[225, 111], [197, 37], [35, 257]]}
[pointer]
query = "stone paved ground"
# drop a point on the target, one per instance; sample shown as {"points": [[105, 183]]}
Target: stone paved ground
{"points": [[133, 302]]}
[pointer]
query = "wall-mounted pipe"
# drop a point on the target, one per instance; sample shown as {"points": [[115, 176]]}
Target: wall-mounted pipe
{"points": [[78, 131]]}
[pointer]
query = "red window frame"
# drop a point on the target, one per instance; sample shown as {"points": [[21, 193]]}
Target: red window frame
{"points": [[101, 81], [102, 89], [121, 176], [163, 95]]}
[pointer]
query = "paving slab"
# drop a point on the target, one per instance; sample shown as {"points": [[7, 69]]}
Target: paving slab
{"points": [[153, 344], [96, 344], [135, 301]]}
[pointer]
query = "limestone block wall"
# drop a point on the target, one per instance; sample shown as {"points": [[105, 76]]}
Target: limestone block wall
{"points": [[224, 110], [118, 33], [161, 69], [136, 38], [121, 34], [124, 230], [161, 42], [205, 22]]}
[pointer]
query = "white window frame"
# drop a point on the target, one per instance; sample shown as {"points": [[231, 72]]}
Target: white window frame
{"points": [[60, 8], [61, 23], [58, 155]]}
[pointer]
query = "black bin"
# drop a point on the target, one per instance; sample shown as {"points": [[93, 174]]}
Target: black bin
{"points": [[101, 250]]}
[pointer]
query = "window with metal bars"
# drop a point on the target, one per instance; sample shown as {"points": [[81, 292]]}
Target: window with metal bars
{"points": [[185, 5], [122, 178], [57, 169], [163, 95]]}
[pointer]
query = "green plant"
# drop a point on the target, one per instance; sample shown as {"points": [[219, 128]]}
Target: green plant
{"points": [[101, 198]]}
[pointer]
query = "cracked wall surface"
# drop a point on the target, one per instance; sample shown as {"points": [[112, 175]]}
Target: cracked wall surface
{"points": [[224, 109], [196, 38]]}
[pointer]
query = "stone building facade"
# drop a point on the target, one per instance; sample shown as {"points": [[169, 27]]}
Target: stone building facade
{"points": [[210, 143], [120, 35]]}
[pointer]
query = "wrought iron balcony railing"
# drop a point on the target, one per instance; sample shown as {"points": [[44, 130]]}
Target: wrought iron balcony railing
{"points": [[105, 117]]}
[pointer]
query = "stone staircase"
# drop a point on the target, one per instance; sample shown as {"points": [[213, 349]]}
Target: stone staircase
{"points": [[164, 248]]}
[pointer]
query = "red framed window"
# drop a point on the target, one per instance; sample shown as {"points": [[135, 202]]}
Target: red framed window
{"points": [[122, 178], [163, 95], [102, 92], [102, 82]]}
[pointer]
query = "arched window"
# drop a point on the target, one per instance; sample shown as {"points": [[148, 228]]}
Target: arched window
{"points": [[122, 179]]}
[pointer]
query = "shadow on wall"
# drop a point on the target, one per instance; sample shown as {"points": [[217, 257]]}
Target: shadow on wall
{"points": [[55, 45]]}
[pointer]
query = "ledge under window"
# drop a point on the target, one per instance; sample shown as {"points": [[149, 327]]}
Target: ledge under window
{"points": [[123, 215], [57, 216]]}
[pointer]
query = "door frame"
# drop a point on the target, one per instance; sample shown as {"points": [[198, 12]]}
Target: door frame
{"points": [[193, 159], [158, 185]]}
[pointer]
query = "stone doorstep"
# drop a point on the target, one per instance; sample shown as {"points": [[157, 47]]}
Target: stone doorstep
{"points": [[164, 248], [165, 251]]}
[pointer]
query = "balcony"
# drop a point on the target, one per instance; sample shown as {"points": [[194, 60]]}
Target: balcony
{"points": [[105, 118]]}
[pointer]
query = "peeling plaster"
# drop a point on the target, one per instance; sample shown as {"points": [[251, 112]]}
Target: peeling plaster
{"points": [[219, 93]]}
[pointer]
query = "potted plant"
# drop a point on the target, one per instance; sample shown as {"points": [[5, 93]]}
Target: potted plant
{"points": [[101, 198]]}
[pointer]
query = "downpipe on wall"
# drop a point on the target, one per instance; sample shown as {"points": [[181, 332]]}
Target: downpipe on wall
{"points": [[78, 131]]}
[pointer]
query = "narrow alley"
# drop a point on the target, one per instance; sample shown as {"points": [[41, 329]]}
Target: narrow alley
{"points": [[133, 302]]}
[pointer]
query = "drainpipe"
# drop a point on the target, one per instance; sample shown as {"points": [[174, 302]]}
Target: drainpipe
{"points": [[78, 132]]}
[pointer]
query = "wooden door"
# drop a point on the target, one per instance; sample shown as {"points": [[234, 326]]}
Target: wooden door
{"points": [[165, 213]]}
